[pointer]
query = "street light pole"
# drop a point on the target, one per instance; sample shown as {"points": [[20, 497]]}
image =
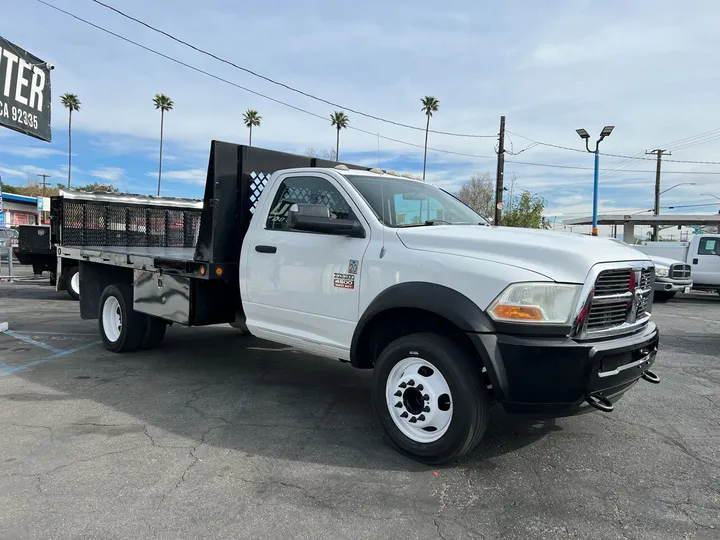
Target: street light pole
{"points": [[606, 131]]}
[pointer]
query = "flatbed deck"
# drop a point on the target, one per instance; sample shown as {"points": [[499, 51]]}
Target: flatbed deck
{"points": [[165, 253], [172, 260]]}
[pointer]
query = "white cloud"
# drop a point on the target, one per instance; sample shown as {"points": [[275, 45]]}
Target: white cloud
{"points": [[190, 176], [110, 174], [32, 152]]}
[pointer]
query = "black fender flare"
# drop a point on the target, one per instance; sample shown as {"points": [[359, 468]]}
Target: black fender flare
{"points": [[438, 299]]}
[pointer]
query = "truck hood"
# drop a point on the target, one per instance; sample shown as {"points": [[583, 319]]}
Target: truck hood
{"points": [[664, 261], [562, 257]]}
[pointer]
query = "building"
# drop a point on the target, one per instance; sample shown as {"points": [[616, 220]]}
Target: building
{"points": [[20, 210]]}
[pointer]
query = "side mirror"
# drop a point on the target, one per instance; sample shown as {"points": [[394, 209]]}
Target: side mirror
{"points": [[314, 221]]}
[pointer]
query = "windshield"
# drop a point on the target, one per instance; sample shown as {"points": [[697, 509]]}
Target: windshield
{"points": [[410, 203]]}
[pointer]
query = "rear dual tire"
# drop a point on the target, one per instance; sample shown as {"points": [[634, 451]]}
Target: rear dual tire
{"points": [[122, 328], [430, 398]]}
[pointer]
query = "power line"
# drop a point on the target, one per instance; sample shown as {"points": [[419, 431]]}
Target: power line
{"points": [[633, 157], [310, 113], [278, 83]]}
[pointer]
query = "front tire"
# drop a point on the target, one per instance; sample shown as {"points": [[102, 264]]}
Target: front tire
{"points": [[429, 396], [121, 327]]}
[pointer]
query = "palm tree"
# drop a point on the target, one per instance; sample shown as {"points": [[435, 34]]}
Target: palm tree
{"points": [[72, 103], [339, 120], [430, 105], [251, 118], [163, 103]]}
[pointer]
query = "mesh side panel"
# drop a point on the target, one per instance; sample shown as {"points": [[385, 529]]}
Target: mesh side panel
{"points": [[136, 227], [116, 226], [94, 224], [100, 224], [191, 227], [175, 233], [156, 227]]}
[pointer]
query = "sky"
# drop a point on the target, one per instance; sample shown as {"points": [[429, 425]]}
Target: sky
{"points": [[651, 69]]}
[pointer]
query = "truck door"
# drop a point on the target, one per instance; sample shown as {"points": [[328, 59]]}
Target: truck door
{"points": [[706, 262], [300, 287]]}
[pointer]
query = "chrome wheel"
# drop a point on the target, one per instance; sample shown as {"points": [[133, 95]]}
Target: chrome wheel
{"points": [[419, 400]]}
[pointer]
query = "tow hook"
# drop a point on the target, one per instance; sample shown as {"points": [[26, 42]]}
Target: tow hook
{"points": [[601, 403], [649, 376]]}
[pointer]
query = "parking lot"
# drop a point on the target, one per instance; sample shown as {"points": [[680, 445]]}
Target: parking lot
{"points": [[220, 436]]}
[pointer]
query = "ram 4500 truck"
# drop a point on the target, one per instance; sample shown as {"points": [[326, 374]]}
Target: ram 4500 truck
{"points": [[386, 273]]}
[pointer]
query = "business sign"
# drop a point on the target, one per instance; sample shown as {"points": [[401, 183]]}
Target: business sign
{"points": [[24, 91]]}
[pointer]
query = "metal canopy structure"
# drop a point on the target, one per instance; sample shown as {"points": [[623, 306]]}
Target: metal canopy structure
{"points": [[628, 221], [671, 219]]}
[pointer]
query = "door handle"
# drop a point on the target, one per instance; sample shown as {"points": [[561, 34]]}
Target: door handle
{"points": [[265, 249], [695, 261]]}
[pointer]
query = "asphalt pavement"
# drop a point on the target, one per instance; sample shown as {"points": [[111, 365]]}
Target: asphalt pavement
{"points": [[220, 436]]}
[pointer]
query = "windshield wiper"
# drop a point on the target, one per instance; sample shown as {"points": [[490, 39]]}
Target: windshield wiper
{"points": [[435, 221]]}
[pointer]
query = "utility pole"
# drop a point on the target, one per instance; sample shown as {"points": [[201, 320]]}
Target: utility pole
{"points": [[659, 153], [500, 172], [44, 181]]}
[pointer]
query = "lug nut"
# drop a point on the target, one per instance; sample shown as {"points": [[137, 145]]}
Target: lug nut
{"points": [[426, 397], [402, 385], [411, 382], [398, 404], [413, 420], [421, 417], [426, 409], [420, 387], [404, 414], [398, 393]]}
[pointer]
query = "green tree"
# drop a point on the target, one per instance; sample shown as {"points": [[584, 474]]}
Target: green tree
{"points": [[526, 212], [251, 118], [164, 103], [479, 194], [430, 105], [339, 120], [72, 103]]}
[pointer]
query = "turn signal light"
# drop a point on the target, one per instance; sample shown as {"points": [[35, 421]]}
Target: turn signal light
{"points": [[202, 270], [219, 271], [518, 313]]}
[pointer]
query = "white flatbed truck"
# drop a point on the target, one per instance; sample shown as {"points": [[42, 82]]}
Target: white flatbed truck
{"points": [[386, 273]]}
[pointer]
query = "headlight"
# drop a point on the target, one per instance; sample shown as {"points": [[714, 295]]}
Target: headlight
{"points": [[661, 272], [538, 303]]}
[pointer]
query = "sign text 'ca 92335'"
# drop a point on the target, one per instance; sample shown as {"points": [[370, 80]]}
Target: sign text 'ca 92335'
{"points": [[24, 91]]}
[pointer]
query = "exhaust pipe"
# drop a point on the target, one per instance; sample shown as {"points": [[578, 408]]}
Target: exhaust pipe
{"points": [[650, 377], [601, 403]]}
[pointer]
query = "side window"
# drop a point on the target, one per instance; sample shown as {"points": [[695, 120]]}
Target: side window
{"points": [[306, 190], [708, 246]]}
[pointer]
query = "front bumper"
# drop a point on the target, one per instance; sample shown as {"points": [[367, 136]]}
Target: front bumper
{"points": [[554, 376], [672, 285]]}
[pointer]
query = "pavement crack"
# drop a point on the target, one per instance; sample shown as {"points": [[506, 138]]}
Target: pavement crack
{"points": [[75, 462], [193, 463], [194, 397], [437, 529]]}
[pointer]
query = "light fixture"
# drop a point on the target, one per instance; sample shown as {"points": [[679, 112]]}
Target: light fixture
{"points": [[606, 131], [583, 134]]}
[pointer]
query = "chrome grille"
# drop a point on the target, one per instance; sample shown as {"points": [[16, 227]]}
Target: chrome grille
{"points": [[612, 304], [680, 271]]}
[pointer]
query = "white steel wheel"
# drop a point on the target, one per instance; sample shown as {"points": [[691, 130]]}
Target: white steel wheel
{"points": [[75, 283], [112, 319], [429, 396], [419, 400]]}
